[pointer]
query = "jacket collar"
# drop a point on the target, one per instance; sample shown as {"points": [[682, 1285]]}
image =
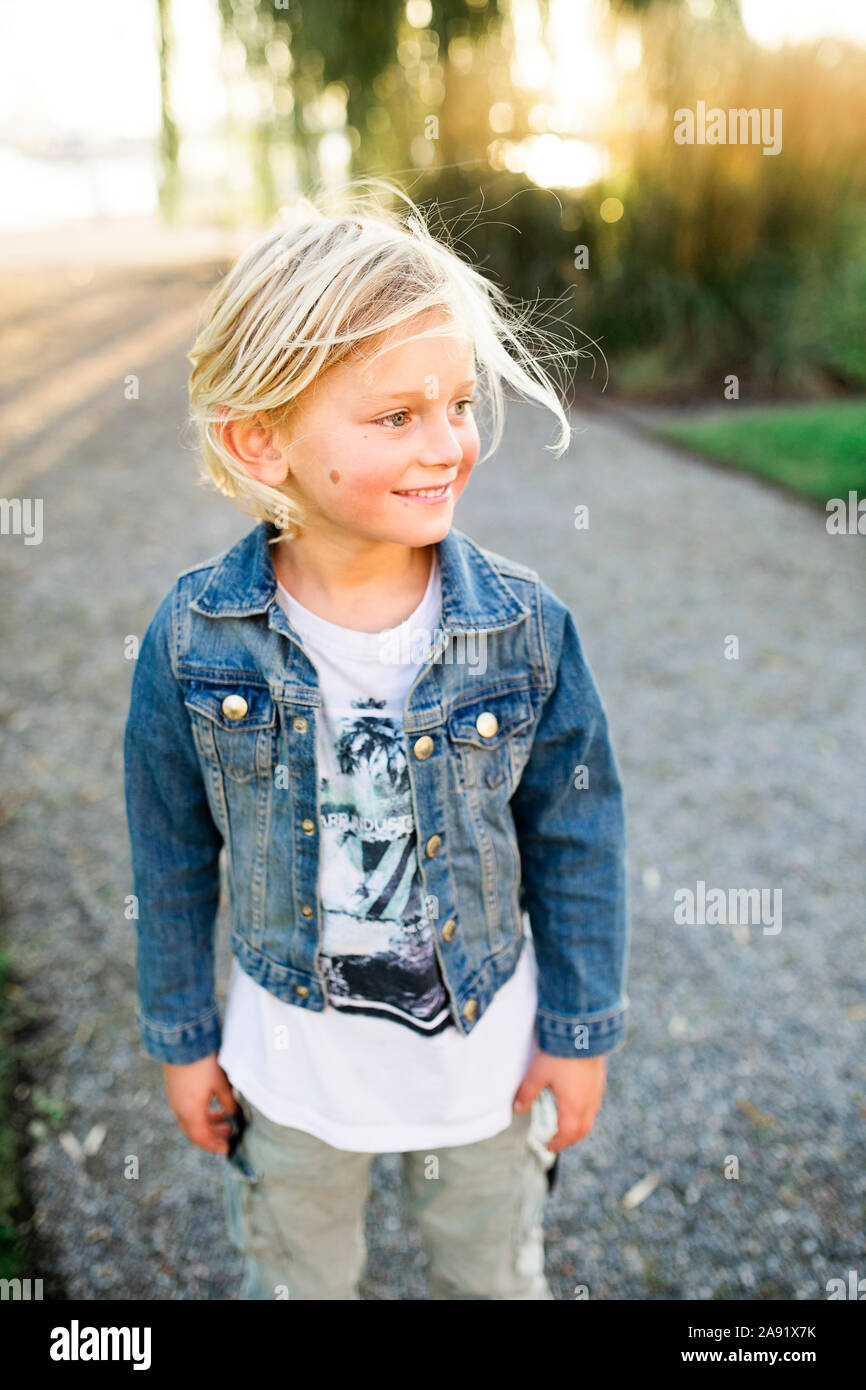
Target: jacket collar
{"points": [[474, 594]]}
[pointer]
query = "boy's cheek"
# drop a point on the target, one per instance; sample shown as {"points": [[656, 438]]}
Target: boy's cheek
{"points": [[463, 477]]}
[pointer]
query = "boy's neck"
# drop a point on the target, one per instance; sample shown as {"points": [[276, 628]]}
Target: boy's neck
{"points": [[369, 588]]}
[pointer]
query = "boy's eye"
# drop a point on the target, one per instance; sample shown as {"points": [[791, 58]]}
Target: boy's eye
{"points": [[398, 415]]}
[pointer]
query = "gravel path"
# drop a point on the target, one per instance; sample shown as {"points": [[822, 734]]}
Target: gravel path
{"points": [[745, 773]]}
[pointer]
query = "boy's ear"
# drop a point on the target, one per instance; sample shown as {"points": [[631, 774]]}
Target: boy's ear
{"points": [[255, 445]]}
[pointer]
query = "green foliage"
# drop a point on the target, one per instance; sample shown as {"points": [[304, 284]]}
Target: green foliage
{"points": [[724, 260], [452, 17], [818, 450], [44, 1104], [830, 314], [169, 147]]}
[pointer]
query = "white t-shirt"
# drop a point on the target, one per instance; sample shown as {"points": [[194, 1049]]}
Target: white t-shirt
{"points": [[383, 1068]]}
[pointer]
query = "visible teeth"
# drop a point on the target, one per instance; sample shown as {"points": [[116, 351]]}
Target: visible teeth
{"points": [[423, 492]]}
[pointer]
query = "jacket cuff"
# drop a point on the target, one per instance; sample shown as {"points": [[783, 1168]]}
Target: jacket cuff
{"points": [[186, 1042], [584, 1035]]}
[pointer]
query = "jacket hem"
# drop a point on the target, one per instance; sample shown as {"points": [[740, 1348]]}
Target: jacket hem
{"points": [[586, 1035], [184, 1042]]}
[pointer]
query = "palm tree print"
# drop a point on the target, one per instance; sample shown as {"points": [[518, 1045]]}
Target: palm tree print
{"points": [[377, 948]]}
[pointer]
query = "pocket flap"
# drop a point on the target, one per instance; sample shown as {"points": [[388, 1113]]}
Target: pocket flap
{"points": [[210, 700], [511, 709]]}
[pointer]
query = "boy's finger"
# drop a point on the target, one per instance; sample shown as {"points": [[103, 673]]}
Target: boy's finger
{"points": [[226, 1097], [571, 1130], [205, 1139], [525, 1095], [562, 1139]]}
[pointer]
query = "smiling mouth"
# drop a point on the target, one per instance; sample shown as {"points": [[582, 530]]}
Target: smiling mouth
{"points": [[429, 493]]}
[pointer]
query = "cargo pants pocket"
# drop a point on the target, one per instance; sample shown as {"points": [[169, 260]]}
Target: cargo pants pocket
{"points": [[295, 1205], [480, 1210], [248, 1223]]}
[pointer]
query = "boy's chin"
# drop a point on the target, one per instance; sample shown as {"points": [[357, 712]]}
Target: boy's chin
{"points": [[414, 531], [427, 531]]}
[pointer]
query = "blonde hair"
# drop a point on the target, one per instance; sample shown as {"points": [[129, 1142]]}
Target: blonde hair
{"points": [[309, 294]]}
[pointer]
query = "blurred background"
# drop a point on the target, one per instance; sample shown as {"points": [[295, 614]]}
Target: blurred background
{"points": [[719, 292], [543, 128]]}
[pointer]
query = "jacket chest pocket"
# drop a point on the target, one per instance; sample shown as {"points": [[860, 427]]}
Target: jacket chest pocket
{"points": [[234, 725], [486, 733]]}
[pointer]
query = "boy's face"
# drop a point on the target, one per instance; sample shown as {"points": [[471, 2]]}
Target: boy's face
{"points": [[369, 432]]}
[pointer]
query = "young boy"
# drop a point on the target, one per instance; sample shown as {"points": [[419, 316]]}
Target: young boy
{"points": [[394, 739]]}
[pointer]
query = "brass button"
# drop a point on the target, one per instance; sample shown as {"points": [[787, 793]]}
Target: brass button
{"points": [[423, 747], [302, 991], [299, 724], [433, 846], [470, 1009], [234, 707], [449, 929], [487, 724], [307, 911], [308, 827]]}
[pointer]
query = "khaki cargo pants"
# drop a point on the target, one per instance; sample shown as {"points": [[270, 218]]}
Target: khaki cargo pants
{"points": [[295, 1209]]}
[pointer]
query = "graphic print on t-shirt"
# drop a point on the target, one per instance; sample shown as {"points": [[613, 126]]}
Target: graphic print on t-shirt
{"points": [[377, 942]]}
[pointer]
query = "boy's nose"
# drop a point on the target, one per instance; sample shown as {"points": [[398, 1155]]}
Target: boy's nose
{"points": [[441, 447]]}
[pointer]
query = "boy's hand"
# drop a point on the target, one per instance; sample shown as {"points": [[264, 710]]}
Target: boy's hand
{"points": [[189, 1088], [577, 1084]]}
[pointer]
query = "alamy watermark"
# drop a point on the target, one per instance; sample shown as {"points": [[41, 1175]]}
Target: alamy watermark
{"points": [[855, 1288], [398, 647], [737, 126], [77, 1343], [736, 907], [846, 521], [22, 516], [20, 1290]]}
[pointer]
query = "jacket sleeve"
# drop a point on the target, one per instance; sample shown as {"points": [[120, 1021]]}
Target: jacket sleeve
{"points": [[175, 848], [570, 820]]}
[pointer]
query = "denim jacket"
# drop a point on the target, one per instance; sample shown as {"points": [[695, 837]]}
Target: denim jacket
{"points": [[515, 787]]}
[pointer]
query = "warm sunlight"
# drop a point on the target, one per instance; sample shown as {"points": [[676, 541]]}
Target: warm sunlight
{"points": [[77, 135]]}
